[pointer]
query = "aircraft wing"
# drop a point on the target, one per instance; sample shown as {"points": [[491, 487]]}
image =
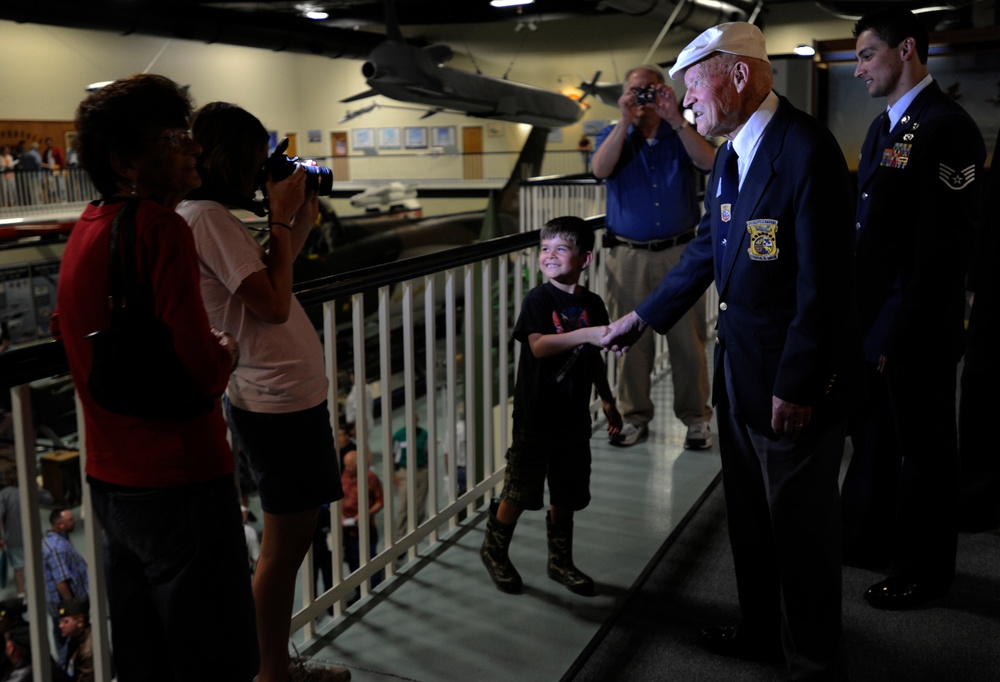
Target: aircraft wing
{"points": [[361, 95]]}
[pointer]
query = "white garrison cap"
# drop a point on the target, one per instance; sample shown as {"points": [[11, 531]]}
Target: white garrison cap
{"points": [[737, 37]]}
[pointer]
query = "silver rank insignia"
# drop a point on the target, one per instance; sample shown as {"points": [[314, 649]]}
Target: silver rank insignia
{"points": [[727, 212], [956, 179], [763, 239]]}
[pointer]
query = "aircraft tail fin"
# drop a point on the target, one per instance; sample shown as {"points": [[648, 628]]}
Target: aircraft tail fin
{"points": [[529, 164], [589, 88], [392, 30]]}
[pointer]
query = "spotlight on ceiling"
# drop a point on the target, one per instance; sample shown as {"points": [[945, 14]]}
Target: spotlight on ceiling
{"points": [[510, 3], [314, 12], [805, 50]]}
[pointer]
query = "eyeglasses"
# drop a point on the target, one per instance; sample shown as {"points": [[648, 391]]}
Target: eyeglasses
{"points": [[175, 138]]}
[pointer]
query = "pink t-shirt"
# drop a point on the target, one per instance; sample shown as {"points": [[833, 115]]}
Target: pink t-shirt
{"points": [[281, 365]]}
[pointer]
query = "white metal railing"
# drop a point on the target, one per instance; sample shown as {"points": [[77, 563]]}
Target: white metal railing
{"points": [[468, 306], [23, 192]]}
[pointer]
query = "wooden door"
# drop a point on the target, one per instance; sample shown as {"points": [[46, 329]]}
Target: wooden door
{"points": [[472, 153], [338, 152]]}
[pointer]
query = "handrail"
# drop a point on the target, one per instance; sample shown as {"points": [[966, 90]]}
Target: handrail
{"points": [[46, 359], [336, 286], [31, 363]]}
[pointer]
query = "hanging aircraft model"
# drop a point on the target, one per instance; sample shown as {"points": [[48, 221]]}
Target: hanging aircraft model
{"points": [[416, 74], [606, 92]]}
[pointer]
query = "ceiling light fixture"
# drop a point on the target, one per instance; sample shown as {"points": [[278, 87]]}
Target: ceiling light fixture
{"points": [[314, 12], [510, 3], [805, 50]]}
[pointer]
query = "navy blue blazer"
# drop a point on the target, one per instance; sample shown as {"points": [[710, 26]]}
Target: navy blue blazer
{"points": [[918, 213], [786, 310]]}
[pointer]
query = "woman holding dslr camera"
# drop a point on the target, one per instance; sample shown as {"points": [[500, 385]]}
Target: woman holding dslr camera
{"points": [[276, 398]]}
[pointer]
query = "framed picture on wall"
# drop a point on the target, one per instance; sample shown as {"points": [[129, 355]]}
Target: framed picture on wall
{"points": [[415, 138], [388, 138], [443, 136], [363, 138]]}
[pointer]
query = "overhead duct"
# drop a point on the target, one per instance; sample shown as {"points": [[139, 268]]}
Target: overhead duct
{"points": [[198, 23], [696, 14]]}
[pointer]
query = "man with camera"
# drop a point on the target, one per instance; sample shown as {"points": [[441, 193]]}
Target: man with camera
{"points": [[648, 160]]}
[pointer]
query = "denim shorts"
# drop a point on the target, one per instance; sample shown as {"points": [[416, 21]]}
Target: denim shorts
{"points": [[15, 556], [292, 455], [564, 460], [173, 555]]}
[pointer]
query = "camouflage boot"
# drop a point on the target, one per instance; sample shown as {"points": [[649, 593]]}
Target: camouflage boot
{"points": [[561, 568], [494, 553]]}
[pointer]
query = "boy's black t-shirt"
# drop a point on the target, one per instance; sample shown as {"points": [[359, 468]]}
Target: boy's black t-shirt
{"points": [[553, 393]]}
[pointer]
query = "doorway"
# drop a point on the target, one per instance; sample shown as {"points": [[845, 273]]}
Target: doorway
{"points": [[472, 153]]}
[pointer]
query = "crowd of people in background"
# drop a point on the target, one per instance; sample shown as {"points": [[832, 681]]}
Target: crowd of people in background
{"points": [[33, 172]]}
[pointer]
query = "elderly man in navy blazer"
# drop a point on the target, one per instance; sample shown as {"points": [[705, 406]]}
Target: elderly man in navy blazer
{"points": [[777, 239], [920, 185]]}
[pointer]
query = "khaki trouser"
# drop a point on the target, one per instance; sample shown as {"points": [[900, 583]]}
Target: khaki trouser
{"points": [[632, 275], [402, 514]]}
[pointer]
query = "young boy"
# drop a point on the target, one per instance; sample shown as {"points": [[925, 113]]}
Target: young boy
{"points": [[560, 326]]}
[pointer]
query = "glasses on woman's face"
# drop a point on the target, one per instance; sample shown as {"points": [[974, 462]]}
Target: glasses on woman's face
{"points": [[176, 137]]}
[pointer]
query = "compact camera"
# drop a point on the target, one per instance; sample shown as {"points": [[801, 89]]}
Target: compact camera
{"points": [[319, 179], [645, 95]]}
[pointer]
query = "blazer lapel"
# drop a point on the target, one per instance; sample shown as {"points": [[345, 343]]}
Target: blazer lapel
{"points": [[758, 178]]}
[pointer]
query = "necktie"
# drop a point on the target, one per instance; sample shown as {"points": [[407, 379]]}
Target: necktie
{"points": [[882, 139], [728, 192]]}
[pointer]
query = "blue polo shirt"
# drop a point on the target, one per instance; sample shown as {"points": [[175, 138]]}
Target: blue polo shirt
{"points": [[652, 192]]}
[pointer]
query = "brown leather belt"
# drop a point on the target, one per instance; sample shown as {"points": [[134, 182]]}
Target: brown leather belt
{"points": [[611, 240]]}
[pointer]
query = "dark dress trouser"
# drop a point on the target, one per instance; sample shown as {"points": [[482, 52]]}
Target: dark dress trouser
{"points": [[783, 509]]}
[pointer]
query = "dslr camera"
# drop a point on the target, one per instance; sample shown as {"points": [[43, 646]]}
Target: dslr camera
{"points": [[319, 179], [645, 95]]}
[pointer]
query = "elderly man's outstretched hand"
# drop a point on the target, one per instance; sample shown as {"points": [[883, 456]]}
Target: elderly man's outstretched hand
{"points": [[623, 333]]}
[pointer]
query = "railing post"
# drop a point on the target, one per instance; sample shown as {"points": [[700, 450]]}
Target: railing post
{"points": [[27, 473], [97, 588]]}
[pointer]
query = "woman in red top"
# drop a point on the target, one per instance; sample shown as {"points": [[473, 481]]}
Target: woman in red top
{"points": [[163, 489]]}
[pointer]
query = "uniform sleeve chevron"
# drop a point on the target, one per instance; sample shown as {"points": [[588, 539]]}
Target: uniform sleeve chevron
{"points": [[957, 179]]}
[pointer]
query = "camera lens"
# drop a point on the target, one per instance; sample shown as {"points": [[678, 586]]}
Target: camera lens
{"points": [[645, 95], [319, 179]]}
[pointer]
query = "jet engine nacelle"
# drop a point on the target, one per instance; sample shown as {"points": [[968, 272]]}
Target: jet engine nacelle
{"points": [[439, 53]]}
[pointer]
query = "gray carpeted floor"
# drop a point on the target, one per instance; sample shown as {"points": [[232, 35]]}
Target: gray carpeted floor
{"points": [[654, 636]]}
